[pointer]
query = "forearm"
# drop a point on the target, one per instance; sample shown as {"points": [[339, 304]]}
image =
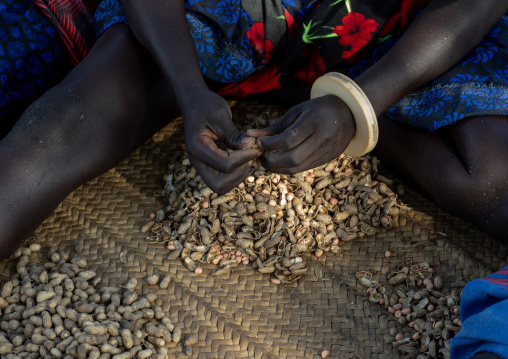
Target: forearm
{"points": [[161, 26], [439, 37]]}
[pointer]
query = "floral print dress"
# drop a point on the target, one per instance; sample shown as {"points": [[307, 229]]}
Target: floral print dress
{"points": [[257, 46], [252, 46], [283, 42]]}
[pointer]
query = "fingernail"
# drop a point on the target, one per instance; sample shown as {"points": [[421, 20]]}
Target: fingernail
{"points": [[246, 140], [251, 162]]}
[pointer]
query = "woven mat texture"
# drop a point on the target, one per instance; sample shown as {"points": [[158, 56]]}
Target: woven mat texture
{"points": [[243, 315]]}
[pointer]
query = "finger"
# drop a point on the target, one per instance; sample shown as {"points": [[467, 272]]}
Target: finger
{"points": [[207, 151], [221, 182], [308, 155], [290, 138], [232, 136], [278, 127], [236, 140], [269, 131], [225, 130]]}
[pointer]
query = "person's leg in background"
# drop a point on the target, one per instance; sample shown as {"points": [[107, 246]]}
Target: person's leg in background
{"points": [[107, 106]]}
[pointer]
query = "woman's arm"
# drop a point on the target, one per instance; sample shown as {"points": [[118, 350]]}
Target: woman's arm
{"points": [[161, 27], [312, 133], [440, 36]]}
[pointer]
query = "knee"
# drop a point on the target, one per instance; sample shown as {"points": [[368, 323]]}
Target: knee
{"points": [[479, 197], [472, 192], [62, 120]]}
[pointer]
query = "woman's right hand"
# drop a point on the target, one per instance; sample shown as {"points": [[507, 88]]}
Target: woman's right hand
{"points": [[162, 28], [209, 132]]}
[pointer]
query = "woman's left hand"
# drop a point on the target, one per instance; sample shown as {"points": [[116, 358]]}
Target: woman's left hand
{"points": [[307, 136]]}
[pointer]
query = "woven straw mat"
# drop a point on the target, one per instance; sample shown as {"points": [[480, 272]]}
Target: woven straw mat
{"points": [[244, 315]]}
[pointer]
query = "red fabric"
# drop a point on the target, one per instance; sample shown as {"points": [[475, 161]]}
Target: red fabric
{"points": [[499, 281], [256, 36], [73, 22], [263, 81], [315, 67], [402, 16], [291, 23], [91, 5]]}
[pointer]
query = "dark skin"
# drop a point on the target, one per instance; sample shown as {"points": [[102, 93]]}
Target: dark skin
{"points": [[439, 37], [161, 27], [462, 167], [133, 82], [110, 108]]}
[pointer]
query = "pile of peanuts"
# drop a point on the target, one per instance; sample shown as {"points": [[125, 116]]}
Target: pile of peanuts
{"points": [[427, 319], [57, 310], [272, 220]]}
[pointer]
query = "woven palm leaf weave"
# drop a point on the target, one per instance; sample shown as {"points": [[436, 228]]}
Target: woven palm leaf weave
{"points": [[244, 315]]}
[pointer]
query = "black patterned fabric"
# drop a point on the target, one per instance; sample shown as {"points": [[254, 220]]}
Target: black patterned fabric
{"points": [[31, 57]]}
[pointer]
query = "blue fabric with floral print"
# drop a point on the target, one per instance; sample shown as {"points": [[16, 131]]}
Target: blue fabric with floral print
{"points": [[230, 49], [219, 30], [107, 14], [478, 85], [31, 56], [224, 56]]}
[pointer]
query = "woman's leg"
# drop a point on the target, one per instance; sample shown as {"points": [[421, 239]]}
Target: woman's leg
{"points": [[107, 106], [463, 167]]}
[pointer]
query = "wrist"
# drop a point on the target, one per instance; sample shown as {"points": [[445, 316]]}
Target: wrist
{"points": [[366, 133], [190, 95]]}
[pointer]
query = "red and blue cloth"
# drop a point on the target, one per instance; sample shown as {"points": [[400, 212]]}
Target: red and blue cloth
{"points": [[484, 316], [79, 22], [30, 52], [252, 46], [253, 49], [39, 42]]}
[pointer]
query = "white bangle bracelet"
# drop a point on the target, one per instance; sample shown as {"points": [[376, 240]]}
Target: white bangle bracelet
{"points": [[347, 90]]}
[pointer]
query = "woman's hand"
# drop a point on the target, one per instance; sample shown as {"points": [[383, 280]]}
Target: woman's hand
{"points": [[308, 135], [162, 28], [209, 131]]}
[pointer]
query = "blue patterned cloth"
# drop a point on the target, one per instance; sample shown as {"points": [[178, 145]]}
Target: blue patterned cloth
{"points": [[478, 85], [222, 60], [483, 312], [218, 29], [30, 52], [232, 43], [32, 55], [107, 14]]}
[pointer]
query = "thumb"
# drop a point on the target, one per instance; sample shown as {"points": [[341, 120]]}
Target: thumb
{"points": [[236, 140], [277, 127]]}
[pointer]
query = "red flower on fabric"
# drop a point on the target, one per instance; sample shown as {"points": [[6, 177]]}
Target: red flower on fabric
{"points": [[256, 36], [314, 68], [355, 31]]}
